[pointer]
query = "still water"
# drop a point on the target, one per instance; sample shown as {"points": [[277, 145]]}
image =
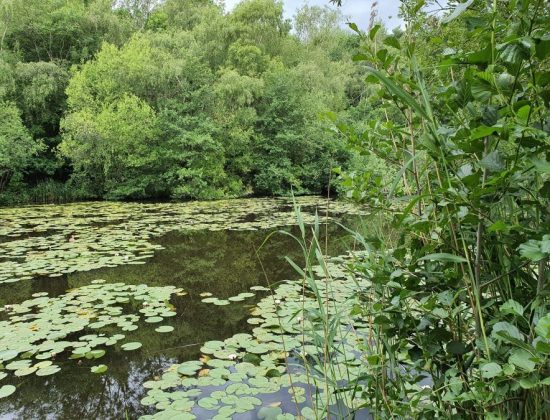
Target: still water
{"points": [[224, 262]]}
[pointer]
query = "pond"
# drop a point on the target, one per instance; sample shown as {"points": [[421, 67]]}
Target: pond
{"points": [[163, 278]]}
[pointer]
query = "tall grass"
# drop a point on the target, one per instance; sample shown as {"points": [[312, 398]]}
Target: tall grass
{"points": [[45, 192]]}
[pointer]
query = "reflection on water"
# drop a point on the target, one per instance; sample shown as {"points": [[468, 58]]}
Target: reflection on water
{"points": [[221, 262]]}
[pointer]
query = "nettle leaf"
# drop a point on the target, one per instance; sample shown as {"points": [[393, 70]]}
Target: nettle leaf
{"points": [[501, 329], [493, 162], [535, 250], [529, 382], [490, 370], [498, 226], [543, 327], [512, 307], [522, 359]]}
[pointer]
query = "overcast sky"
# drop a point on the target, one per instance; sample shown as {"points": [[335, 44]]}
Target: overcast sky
{"points": [[357, 11]]}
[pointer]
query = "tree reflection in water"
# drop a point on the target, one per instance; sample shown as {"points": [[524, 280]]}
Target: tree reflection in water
{"points": [[221, 262]]}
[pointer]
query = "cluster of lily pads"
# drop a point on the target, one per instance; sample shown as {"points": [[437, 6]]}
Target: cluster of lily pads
{"points": [[284, 355], [208, 298], [55, 240], [79, 324]]}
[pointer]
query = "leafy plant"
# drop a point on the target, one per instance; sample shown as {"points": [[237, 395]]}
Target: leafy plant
{"points": [[459, 307]]}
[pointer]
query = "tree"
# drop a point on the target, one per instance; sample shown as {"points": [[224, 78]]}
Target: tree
{"points": [[16, 144], [49, 30], [114, 150]]}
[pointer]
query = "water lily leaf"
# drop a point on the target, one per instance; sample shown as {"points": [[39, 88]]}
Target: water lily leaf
{"points": [[209, 403], [99, 369], [269, 413], [6, 391], [189, 368], [95, 354], [26, 371], [131, 346], [154, 319], [6, 355], [48, 370], [164, 329]]}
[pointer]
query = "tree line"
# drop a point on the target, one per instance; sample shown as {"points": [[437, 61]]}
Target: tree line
{"points": [[171, 99]]}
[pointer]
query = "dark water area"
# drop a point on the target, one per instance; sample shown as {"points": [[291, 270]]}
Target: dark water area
{"points": [[224, 263]]}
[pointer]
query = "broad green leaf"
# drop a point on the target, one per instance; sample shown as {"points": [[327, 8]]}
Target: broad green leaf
{"points": [[506, 328], [374, 31], [512, 307], [532, 250], [543, 327], [392, 41], [6, 391], [490, 370], [522, 359], [483, 131]]}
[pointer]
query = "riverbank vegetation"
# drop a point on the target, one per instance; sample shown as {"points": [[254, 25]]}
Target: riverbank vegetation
{"points": [[173, 99], [439, 128], [460, 110]]}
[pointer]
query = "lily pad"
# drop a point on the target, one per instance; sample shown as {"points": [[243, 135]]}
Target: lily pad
{"points": [[164, 329], [99, 369], [6, 391], [131, 346]]}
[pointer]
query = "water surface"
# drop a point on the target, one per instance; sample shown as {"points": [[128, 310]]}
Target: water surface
{"points": [[224, 262]]}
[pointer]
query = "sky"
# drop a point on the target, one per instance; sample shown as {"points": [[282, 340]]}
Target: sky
{"points": [[357, 11]]}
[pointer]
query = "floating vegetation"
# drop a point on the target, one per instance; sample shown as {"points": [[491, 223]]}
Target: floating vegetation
{"points": [[222, 302], [284, 354], [79, 324], [56, 240]]}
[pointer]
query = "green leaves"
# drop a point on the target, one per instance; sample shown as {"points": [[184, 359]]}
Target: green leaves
{"points": [[522, 359], [512, 307], [396, 90], [461, 8], [490, 370], [535, 250], [543, 327]]}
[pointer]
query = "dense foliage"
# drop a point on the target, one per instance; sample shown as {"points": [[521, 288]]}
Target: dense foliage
{"points": [[174, 98], [459, 304]]}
